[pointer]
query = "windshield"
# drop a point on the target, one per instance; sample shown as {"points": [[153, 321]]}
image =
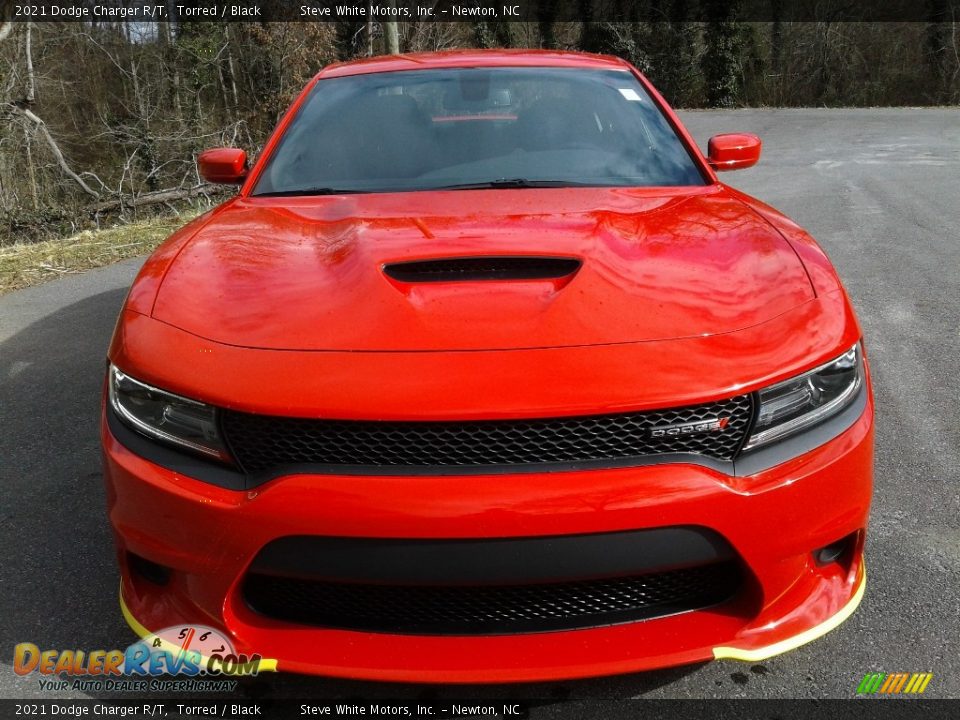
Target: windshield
{"points": [[468, 128]]}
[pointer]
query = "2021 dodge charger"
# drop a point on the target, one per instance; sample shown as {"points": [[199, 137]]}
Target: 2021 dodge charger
{"points": [[484, 376]]}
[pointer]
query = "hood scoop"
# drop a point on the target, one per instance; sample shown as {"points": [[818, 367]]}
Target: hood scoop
{"points": [[460, 269]]}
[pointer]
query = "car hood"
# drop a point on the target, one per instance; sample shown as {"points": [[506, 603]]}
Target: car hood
{"points": [[309, 273]]}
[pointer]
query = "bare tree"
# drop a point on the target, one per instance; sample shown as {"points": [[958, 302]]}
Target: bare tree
{"points": [[54, 148], [108, 117], [31, 92], [390, 30]]}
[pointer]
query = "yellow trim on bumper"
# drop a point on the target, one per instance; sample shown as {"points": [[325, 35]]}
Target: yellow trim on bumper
{"points": [[265, 665], [762, 653], [719, 653]]}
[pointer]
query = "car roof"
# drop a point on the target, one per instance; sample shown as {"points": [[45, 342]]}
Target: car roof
{"points": [[472, 58]]}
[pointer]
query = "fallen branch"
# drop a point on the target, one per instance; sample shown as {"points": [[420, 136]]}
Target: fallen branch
{"points": [[156, 197], [54, 148]]}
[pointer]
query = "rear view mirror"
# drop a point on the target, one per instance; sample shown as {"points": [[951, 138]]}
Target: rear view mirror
{"points": [[225, 166], [733, 151]]}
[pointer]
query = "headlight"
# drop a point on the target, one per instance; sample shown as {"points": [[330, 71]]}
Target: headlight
{"points": [[166, 417], [801, 402]]}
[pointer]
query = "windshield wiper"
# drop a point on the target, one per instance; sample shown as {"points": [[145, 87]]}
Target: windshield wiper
{"points": [[309, 191], [512, 184]]}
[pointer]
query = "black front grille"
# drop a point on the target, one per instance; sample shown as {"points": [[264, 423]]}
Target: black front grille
{"points": [[262, 443], [490, 610]]}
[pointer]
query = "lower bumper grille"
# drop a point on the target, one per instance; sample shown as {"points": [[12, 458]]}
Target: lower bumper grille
{"points": [[490, 610]]}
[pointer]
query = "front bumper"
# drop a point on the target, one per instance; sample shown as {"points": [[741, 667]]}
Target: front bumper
{"points": [[774, 520]]}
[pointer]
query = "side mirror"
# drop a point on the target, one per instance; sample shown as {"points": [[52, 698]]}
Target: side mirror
{"points": [[733, 151], [225, 166]]}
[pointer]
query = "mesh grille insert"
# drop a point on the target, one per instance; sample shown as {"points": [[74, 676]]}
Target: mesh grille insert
{"points": [[262, 443], [487, 610]]}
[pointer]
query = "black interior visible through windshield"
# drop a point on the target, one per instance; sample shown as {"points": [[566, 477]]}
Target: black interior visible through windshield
{"points": [[470, 128]]}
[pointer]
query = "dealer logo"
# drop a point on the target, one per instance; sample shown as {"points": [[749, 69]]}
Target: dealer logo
{"points": [[187, 650], [894, 683]]}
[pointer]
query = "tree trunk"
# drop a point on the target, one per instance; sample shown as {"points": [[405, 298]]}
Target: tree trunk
{"points": [[137, 94], [31, 81], [390, 32], [546, 14], [230, 69], [30, 170], [369, 29], [719, 61], [223, 89], [163, 33], [177, 105]]}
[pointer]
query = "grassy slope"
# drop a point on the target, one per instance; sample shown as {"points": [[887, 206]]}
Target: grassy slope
{"points": [[26, 264]]}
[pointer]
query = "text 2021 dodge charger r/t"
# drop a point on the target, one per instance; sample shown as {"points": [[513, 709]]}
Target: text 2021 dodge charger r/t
{"points": [[483, 376]]}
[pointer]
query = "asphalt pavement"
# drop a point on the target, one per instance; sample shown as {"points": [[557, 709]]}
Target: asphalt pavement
{"points": [[880, 190]]}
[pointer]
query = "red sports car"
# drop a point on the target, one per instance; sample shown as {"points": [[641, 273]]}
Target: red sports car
{"points": [[484, 376]]}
